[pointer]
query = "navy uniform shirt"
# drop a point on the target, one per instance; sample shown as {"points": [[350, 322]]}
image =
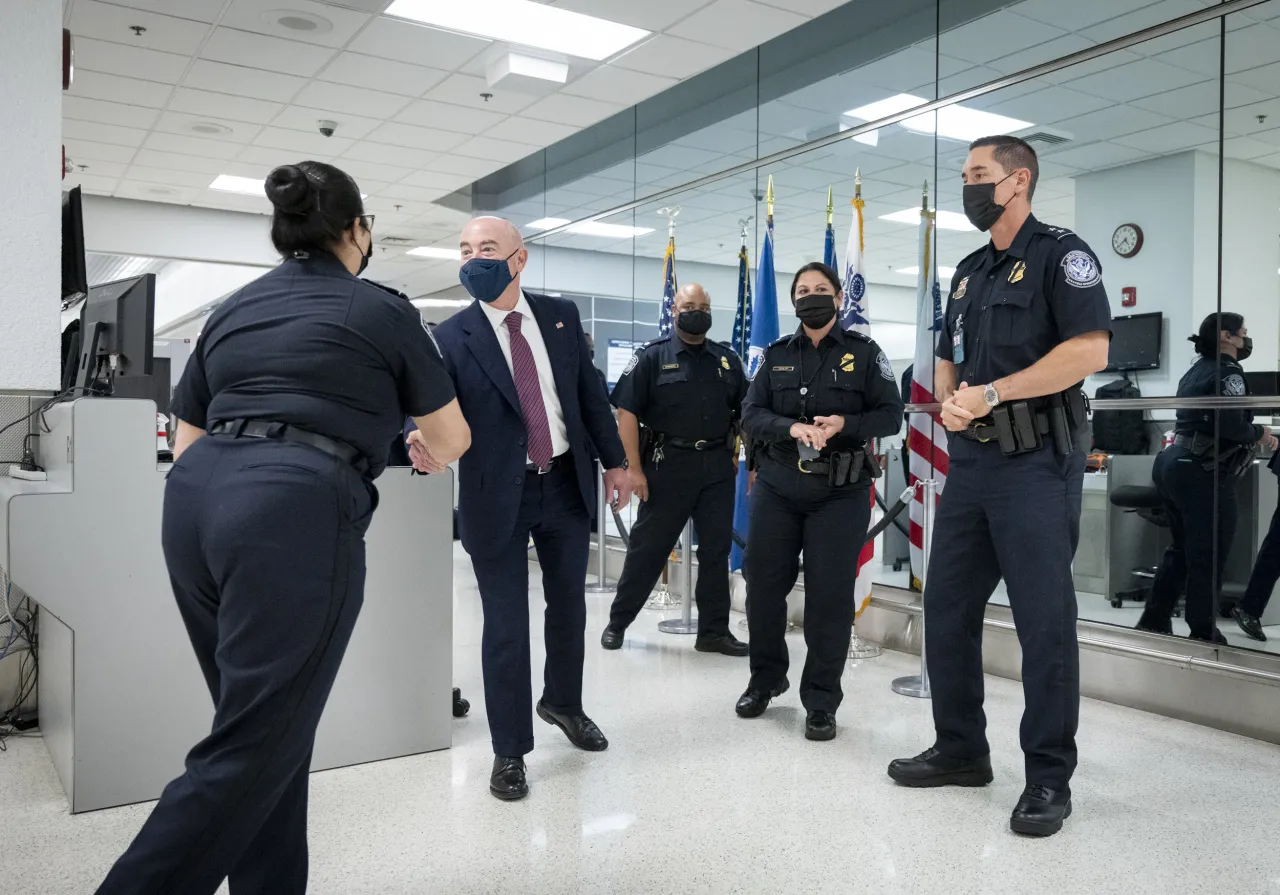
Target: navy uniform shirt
{"points": [[310, 345], [846, 375], [693, 392], [1214, 377], [1009, 309]]}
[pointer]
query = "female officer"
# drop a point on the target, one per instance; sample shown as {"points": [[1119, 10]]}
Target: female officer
{"points": [[1207, 445], [817, 398], [296, 387]]}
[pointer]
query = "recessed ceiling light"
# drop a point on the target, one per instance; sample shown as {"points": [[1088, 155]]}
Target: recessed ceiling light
{"points": [[593, 228], [947, 220], [526, 23], [441, 302], [297, 21], [161, 191], [436, 252], [914, 271], [245, 186], [954, 122], [208, 127]]}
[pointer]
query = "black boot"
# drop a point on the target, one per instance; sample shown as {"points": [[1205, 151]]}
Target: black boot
{"points": [[1040, 811], [932, 768], [508, 781], [1250, 625], [753, 702], [1154, 622]]}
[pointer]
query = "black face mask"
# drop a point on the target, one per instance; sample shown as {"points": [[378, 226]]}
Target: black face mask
{"points": [[695, 323], [817, 310], [980, 204], [365, 257], [1244, 352]]}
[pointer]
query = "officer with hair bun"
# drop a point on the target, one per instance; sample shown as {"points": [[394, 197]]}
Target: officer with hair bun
{"points": [[297, 384]]}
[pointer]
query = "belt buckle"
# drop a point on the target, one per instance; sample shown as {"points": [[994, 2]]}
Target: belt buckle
{"points": [[800, 466], [976, 430], [700, 445]]}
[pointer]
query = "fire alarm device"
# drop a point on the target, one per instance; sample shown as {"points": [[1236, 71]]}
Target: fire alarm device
{"points": [[1128, 296]]}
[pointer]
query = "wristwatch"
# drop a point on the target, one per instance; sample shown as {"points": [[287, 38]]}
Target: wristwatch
{"points": [[991, 395]]}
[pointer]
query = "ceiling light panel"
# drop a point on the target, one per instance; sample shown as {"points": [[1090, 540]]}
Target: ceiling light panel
{"points": [[947, 220], [955, 122], [436, 252], [593, 228], [526, 23]]}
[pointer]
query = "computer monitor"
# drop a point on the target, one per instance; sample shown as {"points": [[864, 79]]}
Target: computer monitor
{"points": [[156, 387], [117, 331], [75, 277], [1135, 342]]}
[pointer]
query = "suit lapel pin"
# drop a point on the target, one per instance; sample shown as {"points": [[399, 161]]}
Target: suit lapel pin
{"points": [[559, 325]]}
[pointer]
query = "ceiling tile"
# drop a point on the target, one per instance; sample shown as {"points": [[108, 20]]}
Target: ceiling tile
{"points": [[103, 21], [353, 100], [396, 134], [191, 146], [1150, 14], [1053, 104], [1170, 138], [1065, 45], [618, 85], [444, 116], [102, 133], [465, 90], [222, 105], [129, 61], [258, 51], [1075, 16], [1264, 78], [672, 57], [574, 110], [98, 85], [1203, 57], [250, 82], [410, 42], [163, 175], [80, 108], [362, 170], [402, 156], [90, 183], [183, 123], [1248, 148], [1095, 157], [497, 150], [1251, 47], [171, 161], [1111, 122], [993, 35], [256, 16], [526, 130], [235, 202], [88, 151], [265, 158], [301, 118], [452, 164], [386, 75], [1135, 80], [196, 10], [736, 24], [436, 179], [418, 194], [312, 144], [652, 15]]}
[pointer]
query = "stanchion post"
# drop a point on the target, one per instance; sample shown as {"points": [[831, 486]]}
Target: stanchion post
{"points": [[918, 685], [603, 585], [685, 624]]}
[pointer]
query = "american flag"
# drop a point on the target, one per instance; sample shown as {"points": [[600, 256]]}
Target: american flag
{"points": [[742, 316], [927, 438], [666, 320]]}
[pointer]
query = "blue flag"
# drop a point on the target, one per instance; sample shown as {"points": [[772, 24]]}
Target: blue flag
{"points": [[742, 316], [666, 320], [829, 249]]}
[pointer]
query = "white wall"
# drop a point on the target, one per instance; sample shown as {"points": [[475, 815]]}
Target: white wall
{"points": [[30, 204], [182, 232], [1251, 255]]}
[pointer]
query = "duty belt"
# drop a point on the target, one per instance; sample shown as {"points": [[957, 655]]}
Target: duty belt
{"points": [[279, 431], [702, 444]]}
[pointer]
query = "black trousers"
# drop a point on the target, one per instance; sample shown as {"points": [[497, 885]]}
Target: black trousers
{"points": [[1194, 561], [697, 484], [793, 512], [1266, 572], [1016, 518], [551, 511], [264, 542]]}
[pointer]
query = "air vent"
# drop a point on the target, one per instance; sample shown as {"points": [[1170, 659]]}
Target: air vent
{"points": [[1047, 137], [399, 240]]}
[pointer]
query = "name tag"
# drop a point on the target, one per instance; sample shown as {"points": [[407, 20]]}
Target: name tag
{"points": [[783, 369], [671, 366]]}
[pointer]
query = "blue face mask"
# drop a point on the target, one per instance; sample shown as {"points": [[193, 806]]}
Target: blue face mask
{"points": [[486, 278]]}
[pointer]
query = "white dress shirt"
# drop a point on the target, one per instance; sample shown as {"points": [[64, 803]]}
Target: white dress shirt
{"points": [[546, 381]]}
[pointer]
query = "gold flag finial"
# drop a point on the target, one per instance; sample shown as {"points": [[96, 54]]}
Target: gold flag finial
{"points": [[769, 197], [857, 183], [924, 197], [830, 206]]}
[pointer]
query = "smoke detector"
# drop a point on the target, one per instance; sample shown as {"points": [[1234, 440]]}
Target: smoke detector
{"points": [[296, 21]]}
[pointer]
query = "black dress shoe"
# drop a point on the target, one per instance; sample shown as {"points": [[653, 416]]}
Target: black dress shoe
{"points": [[580, 729], [1040, 811], [932, 768], [722, 642], [1250, 625], [754, 702], [1154, 623], [612, 638], [1217, 638], [460, 705], [820, 726], [508, 782]]}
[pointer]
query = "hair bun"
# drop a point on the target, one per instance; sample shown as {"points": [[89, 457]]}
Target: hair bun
{"points": [[290, 190]]}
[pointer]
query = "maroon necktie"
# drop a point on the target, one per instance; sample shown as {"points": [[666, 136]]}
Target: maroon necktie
{"points": [[525, 373]]}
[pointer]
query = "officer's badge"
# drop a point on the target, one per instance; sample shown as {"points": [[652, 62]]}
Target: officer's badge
{"points": [[724, 362], [960, 290], [1234, 386], [886, 368], [1082, 271], [631, 364], [1019, 270], [846, 363]]}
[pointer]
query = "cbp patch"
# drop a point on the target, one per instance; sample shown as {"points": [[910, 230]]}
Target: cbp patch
{"points": [[886, 368], [631, 364], [1082, 271], [1233, 385]]}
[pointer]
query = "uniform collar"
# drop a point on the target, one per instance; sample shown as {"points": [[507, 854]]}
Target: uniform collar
{"points": [[1018, 248], [837, 334], [677, 345], [321, 262]]}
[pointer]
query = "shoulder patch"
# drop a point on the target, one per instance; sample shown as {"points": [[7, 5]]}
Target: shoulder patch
{"points": [[886, 368], [1081, 269], [1234, 386], [631, 364]]}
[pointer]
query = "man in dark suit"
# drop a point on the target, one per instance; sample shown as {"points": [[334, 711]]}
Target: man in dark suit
{"points": [[527, 386]]}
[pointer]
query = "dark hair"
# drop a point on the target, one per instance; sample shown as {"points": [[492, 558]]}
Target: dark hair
{"points": [[832, 277], [1013, 153], [1206, 341], [314, 204]]}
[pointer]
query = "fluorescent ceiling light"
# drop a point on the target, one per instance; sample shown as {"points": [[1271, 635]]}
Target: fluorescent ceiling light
{"points": [[947, 220], [525, 23], [245, 186], [436, 252], [593, 228], [914, 271], [954, 122], [441, 302]]}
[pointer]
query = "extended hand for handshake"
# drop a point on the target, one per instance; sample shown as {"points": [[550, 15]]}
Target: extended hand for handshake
{"points": [[421, 457]]}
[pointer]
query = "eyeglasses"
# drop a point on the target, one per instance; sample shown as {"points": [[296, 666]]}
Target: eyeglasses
{"points": [[366, 221]]}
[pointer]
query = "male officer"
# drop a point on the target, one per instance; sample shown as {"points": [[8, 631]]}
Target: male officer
{"points": [[687, 390], [1026, 322]]}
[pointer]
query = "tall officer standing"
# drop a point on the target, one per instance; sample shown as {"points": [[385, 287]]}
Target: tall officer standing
{"points": [[1026, 322], [687, 391], [297, 385], [819, 396]]}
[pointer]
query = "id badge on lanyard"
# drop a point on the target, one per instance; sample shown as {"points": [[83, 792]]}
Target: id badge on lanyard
{"points": [[957, 341]]}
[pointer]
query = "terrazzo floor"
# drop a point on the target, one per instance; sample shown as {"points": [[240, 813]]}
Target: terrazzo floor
{"points": [[690, 799]]}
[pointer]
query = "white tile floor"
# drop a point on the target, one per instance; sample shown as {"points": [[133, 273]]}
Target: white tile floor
{"points": [[691, 799]]}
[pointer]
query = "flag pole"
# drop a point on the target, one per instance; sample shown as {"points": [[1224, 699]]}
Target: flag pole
{"points": [[769, 199], [831, 207]]}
